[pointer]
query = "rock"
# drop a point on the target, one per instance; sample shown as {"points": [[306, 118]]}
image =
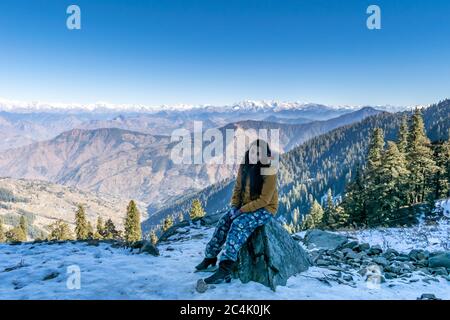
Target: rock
{"points": [[148, 247], [318, 239], [182, 230], [440, 271], [169, 248], [347, 277], [389, 275], [375, 250], [418, 254], [428, 296], [391, 251], [441, 260], [173, 230], [51, 275], [323, 263], [93, 242], [381, 261], [362, 247], [270, 257], [350, 245], [211, 219]]}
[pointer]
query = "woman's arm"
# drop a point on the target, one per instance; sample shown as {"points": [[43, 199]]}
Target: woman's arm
{"points": [[268, 188], [236, 198]]}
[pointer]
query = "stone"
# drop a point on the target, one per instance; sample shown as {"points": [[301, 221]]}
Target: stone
{"points": [[428, 296], [318, 239], [211, 219], [389, 275], [375, 250], [323, 263], [440, 260], [50, 275], [271, 256], [391, 251], [148, 247], [347, 277], [362, 247], [440, 271], [418, 254], [350, 245], [173, 230], [381, 261]]}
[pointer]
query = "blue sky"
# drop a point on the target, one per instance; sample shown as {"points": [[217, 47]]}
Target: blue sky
{"points": [[223, 51]]}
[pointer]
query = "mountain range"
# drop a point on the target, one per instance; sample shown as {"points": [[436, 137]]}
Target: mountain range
{"points": [[137, 165]]}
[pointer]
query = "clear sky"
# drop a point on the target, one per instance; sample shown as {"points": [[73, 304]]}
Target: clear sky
{"points": [[223, 51]]}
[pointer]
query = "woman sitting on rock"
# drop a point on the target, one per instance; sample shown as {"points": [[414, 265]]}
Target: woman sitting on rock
{"points": [[254, 202]]}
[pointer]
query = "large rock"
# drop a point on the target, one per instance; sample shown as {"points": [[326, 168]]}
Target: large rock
{"points": [[440, 260], [318, 239], [270, 257]]}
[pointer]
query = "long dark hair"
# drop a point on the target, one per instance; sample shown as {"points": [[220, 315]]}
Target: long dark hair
{"points": [[252, 169]]}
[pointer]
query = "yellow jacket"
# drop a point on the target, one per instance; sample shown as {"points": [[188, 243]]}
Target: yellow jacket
{"points": [[268, 198]]}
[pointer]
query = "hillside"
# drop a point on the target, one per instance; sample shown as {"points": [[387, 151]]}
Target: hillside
{"points": [[40, 270], [325, 161], [42, 203]]}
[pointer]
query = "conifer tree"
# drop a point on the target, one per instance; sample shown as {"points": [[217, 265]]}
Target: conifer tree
{"points": [[168, 222], [153, 237], [2, 231], [99, 229], [196, 210], [81, 224], [354, 203], [441, 178], [372, 174], [133, 231], [392, 187], [420, 161], [90, 230], [59, 231], [314, 217], [403, 136], [110, 231], [23, 226], [329, 219]]}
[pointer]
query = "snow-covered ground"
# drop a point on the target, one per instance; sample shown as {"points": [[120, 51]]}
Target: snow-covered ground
{"points": [[117, 273]]}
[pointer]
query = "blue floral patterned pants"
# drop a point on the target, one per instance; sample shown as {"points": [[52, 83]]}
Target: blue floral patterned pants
{"points": [[234, 233]]}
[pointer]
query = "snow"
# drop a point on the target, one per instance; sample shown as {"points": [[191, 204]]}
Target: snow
{"points": [[117, 273]]}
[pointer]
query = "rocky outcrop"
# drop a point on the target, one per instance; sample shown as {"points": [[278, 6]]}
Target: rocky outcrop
{"points": [[318, 239], [270, 257]]}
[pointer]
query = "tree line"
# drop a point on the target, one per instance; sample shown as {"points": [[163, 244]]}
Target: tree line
{"points": [[84, 229]]}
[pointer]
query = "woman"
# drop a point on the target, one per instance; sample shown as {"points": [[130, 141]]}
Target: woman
{"points": [[254, 202]]}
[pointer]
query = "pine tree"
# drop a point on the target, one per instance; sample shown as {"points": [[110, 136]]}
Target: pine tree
{"points": [[2, 232], [403, 136], [81, 224], [354, 202], [110, 231], [392, 187], [441, 178], [23, 226], [99, 229], [153, 237], [90, 231], [314, 217], [341, 218], [196, 210], [133, 231], [420, 162], [168, 222], [59, 231], [15, 234], [329, 219], [372, 174]]}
